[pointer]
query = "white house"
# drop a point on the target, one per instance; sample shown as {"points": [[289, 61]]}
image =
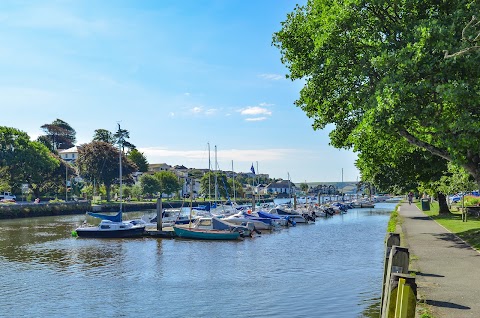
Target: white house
{"points": [[69, 155]]}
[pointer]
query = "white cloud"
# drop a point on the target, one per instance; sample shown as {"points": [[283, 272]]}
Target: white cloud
{"points": [[172, 114], [255, 110], [271, 77], [196, 110], [256, 118], [186, 94], [197, 157]]}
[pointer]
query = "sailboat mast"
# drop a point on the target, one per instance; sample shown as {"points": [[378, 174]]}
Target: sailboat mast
{"points": [[120, 141], [233, 184], [209, 175], [215, 170]]}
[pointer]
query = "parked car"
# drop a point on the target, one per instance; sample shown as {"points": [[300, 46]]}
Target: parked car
{"points": [[7, 197]]}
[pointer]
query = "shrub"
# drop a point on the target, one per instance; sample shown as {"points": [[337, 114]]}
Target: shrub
{"points": [[471, 200]]}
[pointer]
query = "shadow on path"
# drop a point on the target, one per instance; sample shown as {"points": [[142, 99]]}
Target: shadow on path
{"points": [[428, 275], [446, 304], [452, 238]]}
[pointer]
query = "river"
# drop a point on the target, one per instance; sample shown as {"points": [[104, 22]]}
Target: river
{"points": [[332, 268]]}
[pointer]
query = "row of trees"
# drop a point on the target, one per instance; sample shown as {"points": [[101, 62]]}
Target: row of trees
{"points": [[38, 164], [378, 71]]}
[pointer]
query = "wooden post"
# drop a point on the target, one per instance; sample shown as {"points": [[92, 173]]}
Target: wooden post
{"points": [[159, 214], [402, 296], [392, 239], [294, 201], [397, 263]]}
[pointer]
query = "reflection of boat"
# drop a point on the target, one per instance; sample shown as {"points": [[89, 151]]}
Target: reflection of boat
{"points": [[110, 229]]}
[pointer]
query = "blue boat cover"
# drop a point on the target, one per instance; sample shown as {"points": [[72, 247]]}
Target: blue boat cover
{"points": [[114, 218], [268, 215]]}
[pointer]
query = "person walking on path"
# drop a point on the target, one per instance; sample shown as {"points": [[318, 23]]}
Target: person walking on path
{"points": [[410, 197], [447, 269]]}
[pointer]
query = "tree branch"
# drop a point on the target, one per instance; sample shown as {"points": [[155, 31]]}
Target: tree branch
{"points": [[465, 38], [416, 142]]}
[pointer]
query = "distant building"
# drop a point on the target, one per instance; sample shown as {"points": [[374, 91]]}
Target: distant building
{"points": [[69, 155], [281, 186], [156, 167]]}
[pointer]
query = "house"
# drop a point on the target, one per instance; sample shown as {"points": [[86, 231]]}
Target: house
{"points": [[69, 155], [281, 186], [156, 167]]}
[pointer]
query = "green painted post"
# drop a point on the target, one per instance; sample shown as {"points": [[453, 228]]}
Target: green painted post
{"points": [[403, 296]]}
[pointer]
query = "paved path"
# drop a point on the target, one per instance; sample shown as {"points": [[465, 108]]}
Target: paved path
{"points": [[448, 270]]}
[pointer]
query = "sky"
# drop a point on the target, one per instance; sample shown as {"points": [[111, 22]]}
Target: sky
{"points": [[178, 75]]}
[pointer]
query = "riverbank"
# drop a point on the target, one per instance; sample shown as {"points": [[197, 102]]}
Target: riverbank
{"points": [[30, 209]]}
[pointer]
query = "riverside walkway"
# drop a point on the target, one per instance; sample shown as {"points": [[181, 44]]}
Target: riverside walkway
{"points": [[448, 269]]}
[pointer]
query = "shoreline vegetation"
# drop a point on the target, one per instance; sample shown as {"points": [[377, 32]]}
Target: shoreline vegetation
{"points": [[52, 208]]}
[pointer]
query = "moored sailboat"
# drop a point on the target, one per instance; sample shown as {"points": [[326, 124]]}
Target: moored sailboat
{"points": [[112, 226]]}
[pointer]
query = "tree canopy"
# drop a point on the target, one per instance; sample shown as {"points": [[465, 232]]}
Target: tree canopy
{"points": [[58, 135], [139, 159], [379, 66], [103, 135], [24, 161], [99, 161]]}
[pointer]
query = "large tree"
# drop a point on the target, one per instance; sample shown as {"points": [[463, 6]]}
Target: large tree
{"points": [[121, 136], [99, 161], [139, 159], [380, 66], [24, 161], [103, 135], [168, 182], [58, 135]]}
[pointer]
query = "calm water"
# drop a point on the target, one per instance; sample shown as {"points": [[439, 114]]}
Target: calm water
{"points": [[332, 268]]}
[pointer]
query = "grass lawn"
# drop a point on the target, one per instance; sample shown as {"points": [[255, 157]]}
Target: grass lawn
{"points": [[468, 231]]}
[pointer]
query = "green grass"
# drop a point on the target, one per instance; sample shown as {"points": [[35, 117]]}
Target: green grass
{"points": [[468, 231], [392, 223]]}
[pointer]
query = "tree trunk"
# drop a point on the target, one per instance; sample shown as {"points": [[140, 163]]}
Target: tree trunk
{"points": [[108, 189], [442, 204]]}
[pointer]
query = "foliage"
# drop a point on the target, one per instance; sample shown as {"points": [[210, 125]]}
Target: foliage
{"points": [[139, 159], [58, 135], [372, 67], [239, 191], [392, 222], [103, 135], [149, 184], [471, 200], [120, 137], [99, 161], [24, 161], [224, 188], [136, 192], [168, 182], [304, 187]]}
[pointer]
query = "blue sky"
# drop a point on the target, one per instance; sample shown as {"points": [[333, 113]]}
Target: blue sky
{"points": [[177, 74]]}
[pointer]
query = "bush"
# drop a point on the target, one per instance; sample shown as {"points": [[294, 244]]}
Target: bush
{"points": [[471, 200]]}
